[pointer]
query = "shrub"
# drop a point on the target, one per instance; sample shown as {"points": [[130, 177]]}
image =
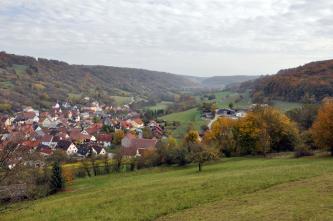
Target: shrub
{"points": [[303, 151], [68, 175]]}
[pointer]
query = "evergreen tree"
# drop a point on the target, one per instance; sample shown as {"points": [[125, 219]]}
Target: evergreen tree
{"points": [[57, 180]]}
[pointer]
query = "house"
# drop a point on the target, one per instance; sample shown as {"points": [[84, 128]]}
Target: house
{"points": [[30, 145], [83, 150], [47, 140], [94, 129], [76, 136], [45, 150], [50, 123], [156, 129], [226, 112], [98, 150], [131, 145], [104, 139], [137, 123], [67, 146]]}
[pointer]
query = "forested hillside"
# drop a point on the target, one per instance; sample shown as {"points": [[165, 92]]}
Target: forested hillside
{"points": [[39, 82], [222, 81], [309, 83]]}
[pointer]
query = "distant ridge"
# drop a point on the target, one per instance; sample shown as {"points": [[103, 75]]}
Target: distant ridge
{"points": [[311, 82]]}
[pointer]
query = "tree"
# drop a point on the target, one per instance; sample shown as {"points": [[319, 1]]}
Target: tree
{"points": [[118, 158], [200, 153], [222, 136], [322, 129], [192, 137], [147, 133], [231, 105], [57, 180], [166, 149], [304, 116], [118, 136], [12, 158]]}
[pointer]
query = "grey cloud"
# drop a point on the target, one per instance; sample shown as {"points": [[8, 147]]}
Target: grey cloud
{"points": [[187, 36]]}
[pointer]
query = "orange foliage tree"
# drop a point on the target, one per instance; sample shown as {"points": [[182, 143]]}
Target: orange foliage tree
{"points": [[322, 129]]}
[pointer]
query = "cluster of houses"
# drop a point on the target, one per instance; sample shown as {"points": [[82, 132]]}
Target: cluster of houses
{"points": [[78, 131]]}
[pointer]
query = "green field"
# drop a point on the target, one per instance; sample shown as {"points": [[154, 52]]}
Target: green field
{"points": [[224, 98], [233, 189], [185, 118], [160, 106], [120, 100], [286, 106]]}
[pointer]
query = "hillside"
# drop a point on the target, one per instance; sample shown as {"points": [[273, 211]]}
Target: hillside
{"points": [[234, 189], [220, 82], [308, 83], [39, 82]]}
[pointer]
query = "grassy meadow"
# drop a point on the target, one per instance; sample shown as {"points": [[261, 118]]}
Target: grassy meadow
{"points": [[231, 189], [186, 118], [163, 105]]}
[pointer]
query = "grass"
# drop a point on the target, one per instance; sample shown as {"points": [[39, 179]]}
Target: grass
{"points": [[160, 106], [187, 118], [224, 98], [234, 189], [120, 100], [20, 69], [286, 106]]}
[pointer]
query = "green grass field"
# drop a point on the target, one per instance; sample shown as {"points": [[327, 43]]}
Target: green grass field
{"points": [[224, 98], [186, 118], [122, 100], [160, 106], [233, 189], [286, 106]]}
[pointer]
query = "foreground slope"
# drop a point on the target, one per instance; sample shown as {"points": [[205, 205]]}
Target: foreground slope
{"points": [[163, 192]]}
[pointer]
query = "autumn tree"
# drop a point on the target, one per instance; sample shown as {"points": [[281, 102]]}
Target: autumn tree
{"points": [[222, 136], [167, 150], [200, 153], [322, 129], [192, 137], [118, 136]]}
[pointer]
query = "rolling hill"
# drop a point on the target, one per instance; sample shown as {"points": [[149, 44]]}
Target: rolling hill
{"points": [[308, 83], [219, 82], [39, 82]]}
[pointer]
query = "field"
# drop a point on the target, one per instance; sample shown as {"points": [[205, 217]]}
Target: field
{"points": [[160, 106], [224, 98], [122, 100], [186, 118], [286, 106], [233, 189]]}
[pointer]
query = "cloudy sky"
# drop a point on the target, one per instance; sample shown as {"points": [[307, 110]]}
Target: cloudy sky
{"points": [[193, 37]]}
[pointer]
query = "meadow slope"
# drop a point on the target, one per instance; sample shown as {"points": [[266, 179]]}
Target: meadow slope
{"points": [[233, 189]]}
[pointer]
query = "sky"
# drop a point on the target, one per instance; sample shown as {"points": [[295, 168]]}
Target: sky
{"points": [[191, 37]]}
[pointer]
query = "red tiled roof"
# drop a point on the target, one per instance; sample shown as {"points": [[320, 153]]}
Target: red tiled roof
{"points": [[138, 121], [46, 150], [104, 138], [30, 144]]}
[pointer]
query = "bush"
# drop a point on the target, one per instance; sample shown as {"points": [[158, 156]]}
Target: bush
{"points": [[303, 151], [68, 175], [80, 173]]}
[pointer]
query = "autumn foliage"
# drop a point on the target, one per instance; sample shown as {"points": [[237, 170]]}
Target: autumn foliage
{"points": [[322, 129], [263, 130]]}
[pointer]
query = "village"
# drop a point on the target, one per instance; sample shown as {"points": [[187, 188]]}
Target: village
{"points": [[80, 131]]}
